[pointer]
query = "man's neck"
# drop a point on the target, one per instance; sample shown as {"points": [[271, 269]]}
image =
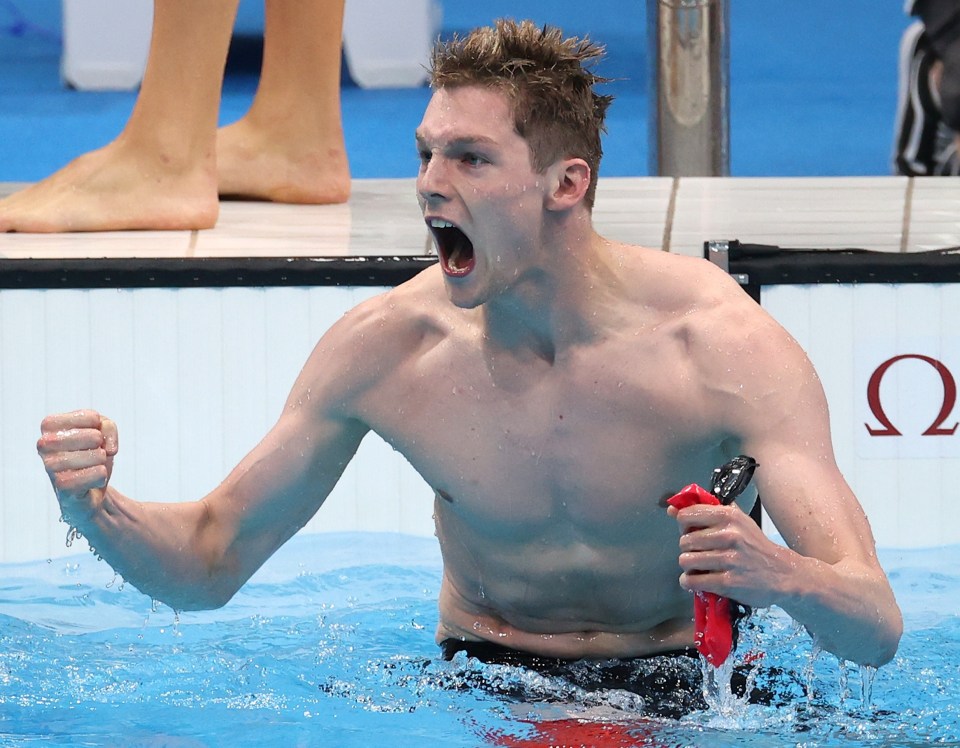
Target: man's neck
{"points": [[560, 304]]}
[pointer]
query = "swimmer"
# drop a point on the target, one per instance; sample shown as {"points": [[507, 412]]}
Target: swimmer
{"points": [[556, 388], [170, 163]]}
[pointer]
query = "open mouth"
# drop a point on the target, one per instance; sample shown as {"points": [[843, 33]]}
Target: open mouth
{"points": [[455, 248]]}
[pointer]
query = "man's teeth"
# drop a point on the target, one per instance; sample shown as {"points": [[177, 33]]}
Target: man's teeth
{"points": [[439, 223]]}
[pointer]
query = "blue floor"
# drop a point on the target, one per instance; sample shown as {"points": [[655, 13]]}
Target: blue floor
{"points": [[813, 88]]}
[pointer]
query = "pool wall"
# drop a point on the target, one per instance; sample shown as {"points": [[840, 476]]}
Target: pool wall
{"points": [[193, 378]]}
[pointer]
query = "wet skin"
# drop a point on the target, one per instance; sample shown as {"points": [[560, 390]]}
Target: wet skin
{"points": [[553, 388]]}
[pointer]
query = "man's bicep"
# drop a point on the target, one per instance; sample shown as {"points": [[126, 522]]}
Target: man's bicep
{"points": [[800, 483], [279, 486], [811, 505], [297, 464]]}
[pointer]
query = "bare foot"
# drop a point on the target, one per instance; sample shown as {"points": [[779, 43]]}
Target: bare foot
{"points": [[262, 164], [115, 188]]}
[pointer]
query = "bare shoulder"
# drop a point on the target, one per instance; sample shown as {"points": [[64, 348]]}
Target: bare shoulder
{"points": [[701, 302], [376, 337], [741, 355]]}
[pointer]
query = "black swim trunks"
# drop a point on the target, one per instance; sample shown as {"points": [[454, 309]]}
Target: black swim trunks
{"points": [[670, 683]]}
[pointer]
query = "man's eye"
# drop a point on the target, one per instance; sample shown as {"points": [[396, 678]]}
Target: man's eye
{"points": [[472, 159], [425, 157]]}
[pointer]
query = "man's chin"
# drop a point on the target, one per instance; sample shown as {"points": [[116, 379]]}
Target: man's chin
{"points": [[460, 297], [461, 302]]}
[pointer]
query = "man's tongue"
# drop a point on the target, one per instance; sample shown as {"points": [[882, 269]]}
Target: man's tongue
{"points": [[460, 259]]}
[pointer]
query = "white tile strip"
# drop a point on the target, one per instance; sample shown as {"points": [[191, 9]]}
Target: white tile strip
{"points": [[815, 213], [935, 214], [382, 218]]}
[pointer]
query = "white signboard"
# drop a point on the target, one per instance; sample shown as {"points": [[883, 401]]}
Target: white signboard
{"points": [[908, 397], [889, 359]]}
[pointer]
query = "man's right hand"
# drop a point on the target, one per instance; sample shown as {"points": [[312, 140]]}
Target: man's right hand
{"points": [[77, 450]]}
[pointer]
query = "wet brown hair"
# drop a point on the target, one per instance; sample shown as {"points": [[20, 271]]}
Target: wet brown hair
{"points": [[547, 80]]}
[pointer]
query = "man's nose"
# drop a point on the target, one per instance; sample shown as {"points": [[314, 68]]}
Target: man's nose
{"points": [[432, 182]]}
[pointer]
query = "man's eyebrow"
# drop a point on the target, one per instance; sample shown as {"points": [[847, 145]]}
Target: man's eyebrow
{"points": [[459, 142]]}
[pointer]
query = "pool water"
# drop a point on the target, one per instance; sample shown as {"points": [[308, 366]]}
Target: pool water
{"points": [[331, 643]]}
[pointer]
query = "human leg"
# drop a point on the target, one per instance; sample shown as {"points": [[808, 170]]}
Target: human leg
{"points": [[946, 148], [289, 147], [918, 116], [928, 112], [948, 86], [160, 172]]}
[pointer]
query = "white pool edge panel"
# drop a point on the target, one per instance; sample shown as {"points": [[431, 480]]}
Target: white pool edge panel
{"points": [[195, 376]]}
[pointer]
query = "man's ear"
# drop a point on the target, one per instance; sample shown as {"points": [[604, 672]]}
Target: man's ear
{"points": [[571, 180]]}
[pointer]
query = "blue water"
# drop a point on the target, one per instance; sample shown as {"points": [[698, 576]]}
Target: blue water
{"points": [[332, 644]]}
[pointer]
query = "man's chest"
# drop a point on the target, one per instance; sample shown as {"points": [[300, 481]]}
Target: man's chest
{"points": [[591, 443]]}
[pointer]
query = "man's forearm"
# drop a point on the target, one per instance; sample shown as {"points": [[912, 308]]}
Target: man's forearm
{"points": [[849, 610], [165, 550]]}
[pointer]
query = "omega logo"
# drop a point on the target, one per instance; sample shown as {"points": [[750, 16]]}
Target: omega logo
{"points": [[936, 428]]}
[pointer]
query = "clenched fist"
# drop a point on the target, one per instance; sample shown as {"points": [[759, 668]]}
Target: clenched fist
{"points": [[77, 450]]}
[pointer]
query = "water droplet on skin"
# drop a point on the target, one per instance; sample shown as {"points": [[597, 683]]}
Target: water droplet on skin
{"points": [[72, 534]]}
